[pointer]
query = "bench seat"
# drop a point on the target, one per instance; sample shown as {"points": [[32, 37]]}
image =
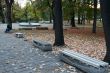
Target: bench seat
{"points": [[83, 62]]}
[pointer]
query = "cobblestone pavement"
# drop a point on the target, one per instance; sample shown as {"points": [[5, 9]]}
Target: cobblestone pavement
{"points": [[19, 56]]}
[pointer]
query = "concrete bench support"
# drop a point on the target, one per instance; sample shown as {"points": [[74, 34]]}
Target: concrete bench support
{"points": [[19, 35], [45, 46], [83, 62]]}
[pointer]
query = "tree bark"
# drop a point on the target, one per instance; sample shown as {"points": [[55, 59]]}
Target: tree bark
{"points": [[73, 19], [1, 12], [53, 13], [72, 4], [8, 14], [95, 17], [105, 11], [79, 17], [82, 19], [26, 14], [50, 16], [59, 38]]}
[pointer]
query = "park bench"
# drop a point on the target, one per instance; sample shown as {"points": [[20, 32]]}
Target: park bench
{"points": [[45, 46], [83, 62], [29, 24], [19, 35]]}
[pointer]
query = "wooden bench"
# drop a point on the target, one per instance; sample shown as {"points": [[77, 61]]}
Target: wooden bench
{"points": [[19, 35], [24, 24], [45, 46], [83, 62]]}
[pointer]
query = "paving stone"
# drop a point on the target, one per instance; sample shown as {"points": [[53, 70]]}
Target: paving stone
{"points": [[19, 56]]}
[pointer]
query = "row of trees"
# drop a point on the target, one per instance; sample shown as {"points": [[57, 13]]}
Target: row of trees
{"points": [[70, 7], [43, 10], [81, 9], [25, 14]]}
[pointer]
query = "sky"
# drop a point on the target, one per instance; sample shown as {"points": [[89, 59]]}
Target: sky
{"points": [[22, 2]]}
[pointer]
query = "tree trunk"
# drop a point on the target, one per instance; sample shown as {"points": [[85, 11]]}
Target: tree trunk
{"points": [[59, 38], [8, 17], [53, 13], [83, 19], [72, 4], [73, 20], [95, 17], [105, 10], [26, 14], [79, 20], [8, 14], [53, 20], [50, 16], [1, 12], [83, 15]]}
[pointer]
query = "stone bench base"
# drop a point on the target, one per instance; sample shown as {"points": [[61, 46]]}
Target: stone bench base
{"points": [[45, 46], [29, 28], [42, 28]]}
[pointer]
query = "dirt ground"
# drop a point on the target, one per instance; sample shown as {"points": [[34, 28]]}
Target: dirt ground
{"points": [[81, 40]]}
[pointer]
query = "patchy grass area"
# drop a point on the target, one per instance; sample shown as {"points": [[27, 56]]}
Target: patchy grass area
{"points": [[81, 40]]}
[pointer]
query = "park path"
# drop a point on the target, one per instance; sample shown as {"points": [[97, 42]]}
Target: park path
{"points": [[19, 56]]}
